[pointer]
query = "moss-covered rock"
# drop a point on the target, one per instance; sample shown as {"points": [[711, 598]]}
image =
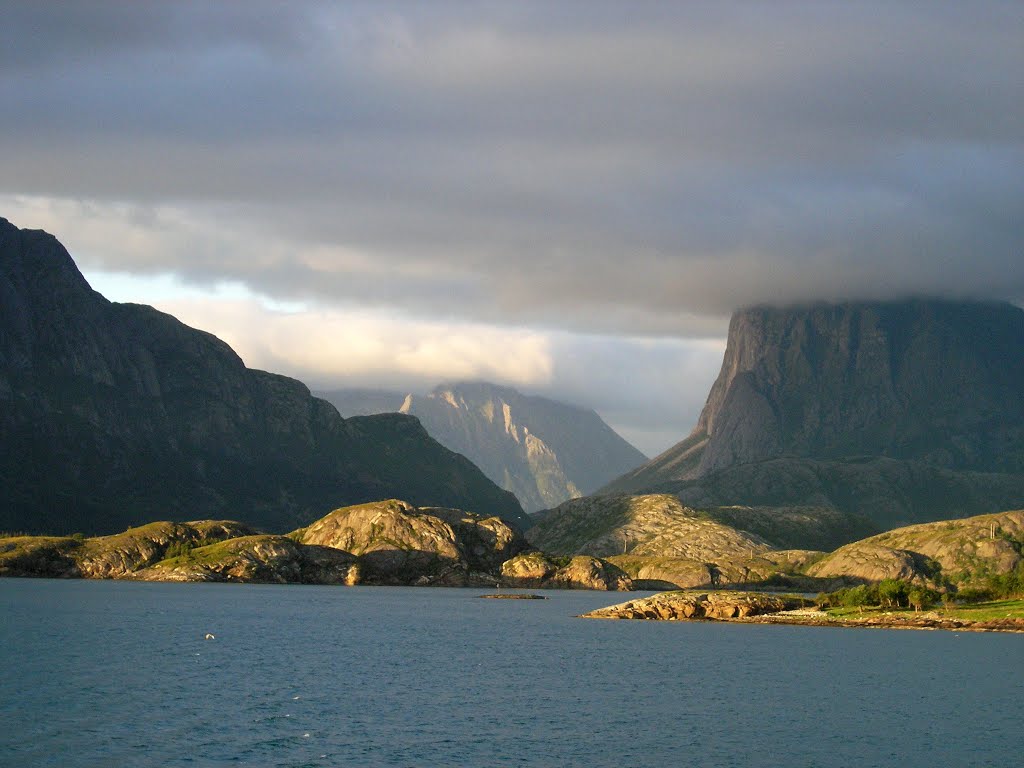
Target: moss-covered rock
{"points": [[961, 550], [261, 558], [42, 556]]}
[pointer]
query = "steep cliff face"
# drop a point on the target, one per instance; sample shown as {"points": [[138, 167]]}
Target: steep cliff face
{"points": [[904, 411], [543, 451], [934, 381], [112, 414]]}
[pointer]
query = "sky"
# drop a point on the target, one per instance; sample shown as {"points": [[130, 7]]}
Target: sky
{"points": [[566, 197]]}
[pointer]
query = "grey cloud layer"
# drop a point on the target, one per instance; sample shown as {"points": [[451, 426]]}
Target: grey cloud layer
{"points": [[612, 167]]}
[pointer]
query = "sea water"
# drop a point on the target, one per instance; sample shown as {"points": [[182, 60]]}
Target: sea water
{"points": [[121, 674]]}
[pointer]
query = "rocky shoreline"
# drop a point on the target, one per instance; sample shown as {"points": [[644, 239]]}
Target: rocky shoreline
{"points": [[760, 608]]}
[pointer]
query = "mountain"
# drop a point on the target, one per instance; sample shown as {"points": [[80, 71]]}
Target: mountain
{"points": [[906, 411], [114, 414], [543, 451]]}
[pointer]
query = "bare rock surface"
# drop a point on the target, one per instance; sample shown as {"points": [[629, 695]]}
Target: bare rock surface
{"points": [[261, 558], [653, 525], [397, 542], [673, 606], [960, 549], [535, 569]]}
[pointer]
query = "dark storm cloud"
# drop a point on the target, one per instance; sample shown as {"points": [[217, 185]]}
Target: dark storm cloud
{"points": [[613, 167]]}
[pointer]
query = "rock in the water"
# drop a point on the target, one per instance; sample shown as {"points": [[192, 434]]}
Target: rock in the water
{"points": [[673, 606]]}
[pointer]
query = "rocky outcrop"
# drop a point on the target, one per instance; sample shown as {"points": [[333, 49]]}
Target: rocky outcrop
{"points": [[583, 572], [658, 541], [534, 569], [543, 451], [661, 526], [777, 567], [114, 414], [116, 556], [263, 559], [674, 606], [399, 543], [51, 557], [898, 411], [110, 557], [530, 569], [960, 551], [654, 525]]}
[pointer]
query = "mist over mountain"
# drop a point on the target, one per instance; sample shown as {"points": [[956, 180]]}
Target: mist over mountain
{"points": [[542, 450], [904, 410], [114, 414]]}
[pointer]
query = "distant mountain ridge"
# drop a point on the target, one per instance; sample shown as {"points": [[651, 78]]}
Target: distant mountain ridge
{"points": [[858, 403], [542, 450], [115, 414]]}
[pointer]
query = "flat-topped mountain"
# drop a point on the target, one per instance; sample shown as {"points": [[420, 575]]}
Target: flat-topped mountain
{"points": [[114, 414], [839, 403], [542, 450]]}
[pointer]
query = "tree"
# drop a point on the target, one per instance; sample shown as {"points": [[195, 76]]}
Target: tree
{"points": [[921, 598], [892, 593]]}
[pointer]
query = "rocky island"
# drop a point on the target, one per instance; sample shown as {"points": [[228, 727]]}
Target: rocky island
{"points": [[759, 608]]}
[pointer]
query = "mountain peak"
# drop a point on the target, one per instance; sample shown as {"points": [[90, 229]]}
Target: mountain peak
{"points": [[542, 450], [834, 402]]}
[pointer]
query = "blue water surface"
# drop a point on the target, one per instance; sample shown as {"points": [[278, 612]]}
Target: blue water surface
{"points": [[103, 673]]}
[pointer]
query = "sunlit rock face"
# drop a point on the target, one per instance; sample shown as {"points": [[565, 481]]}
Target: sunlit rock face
{"points": [[541, 450]]}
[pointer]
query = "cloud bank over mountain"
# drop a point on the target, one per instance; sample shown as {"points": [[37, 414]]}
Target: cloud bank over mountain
{"points": [[631, 171]]}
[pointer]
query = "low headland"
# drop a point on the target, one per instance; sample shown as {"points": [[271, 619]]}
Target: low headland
{"points": [[760, 608]]}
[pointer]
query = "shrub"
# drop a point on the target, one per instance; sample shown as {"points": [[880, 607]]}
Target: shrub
{"points": [[178, 549], [854, 596], [974, 595]]}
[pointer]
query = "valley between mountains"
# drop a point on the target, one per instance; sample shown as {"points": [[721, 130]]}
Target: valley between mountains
{"points": [[842, 445]]}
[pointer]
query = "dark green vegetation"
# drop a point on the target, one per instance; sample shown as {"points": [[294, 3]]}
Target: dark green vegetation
{"points": [[543, 451], [898, 412], [115, 414]]}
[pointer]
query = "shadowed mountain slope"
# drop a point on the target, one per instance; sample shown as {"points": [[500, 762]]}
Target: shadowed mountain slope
{"points": [[903, 411], [114, 414]]}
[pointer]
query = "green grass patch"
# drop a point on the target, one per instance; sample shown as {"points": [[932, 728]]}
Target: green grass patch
{"points": [[990, 611]]}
